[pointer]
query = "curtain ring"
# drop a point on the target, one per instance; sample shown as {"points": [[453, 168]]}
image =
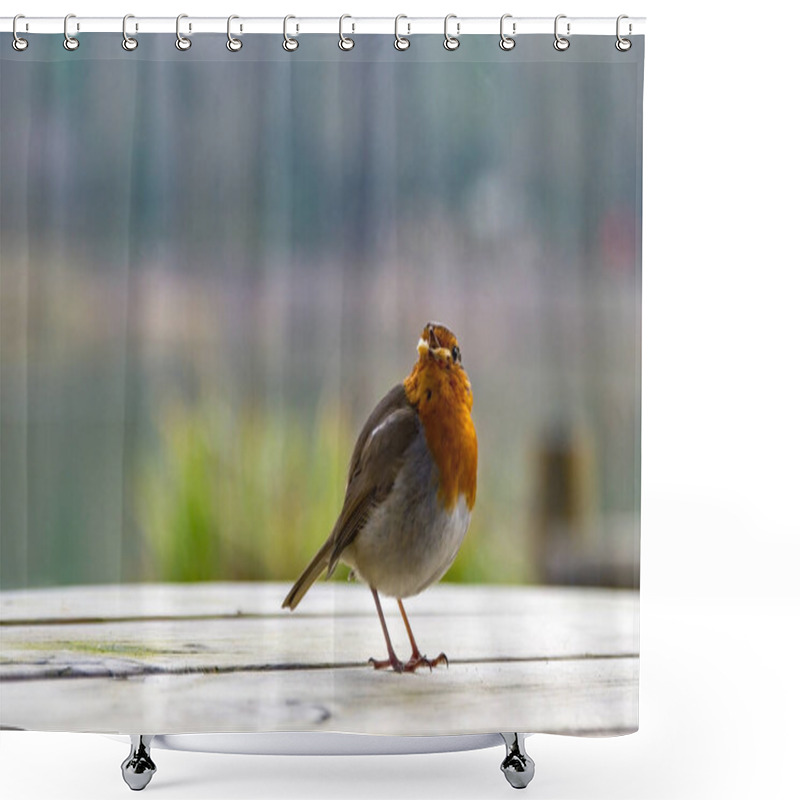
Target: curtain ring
{"points": [[18, 43], [623, 45], [290, 44], [400, 42], [560, 43], [70, 42], [507, 42], [233, 44], [181, 41], [344, 42], [451, 42], [129, 43]]}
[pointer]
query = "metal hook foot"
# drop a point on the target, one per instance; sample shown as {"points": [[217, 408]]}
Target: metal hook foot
{"points": [[517, 766], [138, 768]]}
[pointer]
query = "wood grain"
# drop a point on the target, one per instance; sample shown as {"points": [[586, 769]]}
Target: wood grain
{"points": [[225, 657]]}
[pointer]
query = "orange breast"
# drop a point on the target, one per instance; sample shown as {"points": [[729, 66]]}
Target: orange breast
{"points": [[443, 399]]}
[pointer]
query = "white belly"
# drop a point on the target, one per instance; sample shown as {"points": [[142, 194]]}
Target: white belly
{"points": [[407, 545]]}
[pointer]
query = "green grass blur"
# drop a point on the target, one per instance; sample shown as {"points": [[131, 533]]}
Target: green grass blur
{"points": [[243, 495]]}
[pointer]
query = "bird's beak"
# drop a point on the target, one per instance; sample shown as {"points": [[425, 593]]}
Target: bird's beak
{"points": [[429, 344]]}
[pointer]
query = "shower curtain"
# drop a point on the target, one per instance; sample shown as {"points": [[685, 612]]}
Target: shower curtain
{"points": [[216, 267]]}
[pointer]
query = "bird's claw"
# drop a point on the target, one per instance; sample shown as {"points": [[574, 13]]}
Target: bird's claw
{"points": [[395, 663], [419, 660], [411, 665]]}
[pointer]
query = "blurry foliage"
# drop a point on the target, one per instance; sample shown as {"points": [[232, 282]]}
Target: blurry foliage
{"points": [[237, 495], [247, 495]]}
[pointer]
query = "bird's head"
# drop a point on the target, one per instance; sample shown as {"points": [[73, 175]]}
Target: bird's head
{"points": [[439, 344], [438, 380]]}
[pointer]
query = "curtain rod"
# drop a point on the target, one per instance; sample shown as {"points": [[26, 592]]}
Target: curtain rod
{"points": [[460, 26]]}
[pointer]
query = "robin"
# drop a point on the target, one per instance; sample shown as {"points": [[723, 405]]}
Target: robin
{"points": [[410, 489]]}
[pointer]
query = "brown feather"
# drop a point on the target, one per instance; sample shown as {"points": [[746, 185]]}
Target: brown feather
{"points": [[376, 460], [309, 576]]}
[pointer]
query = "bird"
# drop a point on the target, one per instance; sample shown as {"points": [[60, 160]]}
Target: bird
{"points": [[410, 492]]}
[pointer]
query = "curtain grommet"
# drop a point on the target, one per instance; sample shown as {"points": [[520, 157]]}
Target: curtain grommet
{"points": [[507, 42], [401, 43], [182, 42], [622, 44], [451, 43], [345, 43], [129, 43], [18, 43], [290, 43], [233, 44], [561, 43], [71, 43]]}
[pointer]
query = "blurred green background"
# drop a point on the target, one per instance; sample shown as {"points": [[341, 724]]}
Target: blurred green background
{"points": [[212, 269]]}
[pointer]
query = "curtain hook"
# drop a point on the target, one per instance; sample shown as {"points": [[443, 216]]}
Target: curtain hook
{"points": [[451, 42], [129, 43], [507, 42], [560, 43], [181, 41], [623, 45], [344, 42], [400, 42], [70, 42], [233, 44], [290, 44], [18, 43]]}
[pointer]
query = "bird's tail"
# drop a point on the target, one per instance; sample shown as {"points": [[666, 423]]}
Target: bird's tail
{"points": [[317, 566]]}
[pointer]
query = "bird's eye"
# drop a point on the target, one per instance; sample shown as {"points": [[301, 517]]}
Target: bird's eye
{"points": [[456, 353]]}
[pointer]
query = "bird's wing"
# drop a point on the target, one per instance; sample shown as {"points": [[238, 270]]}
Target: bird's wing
{"points": [[377, 458]]}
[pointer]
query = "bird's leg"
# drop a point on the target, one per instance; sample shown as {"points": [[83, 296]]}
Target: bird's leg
{"points": [[393, 661], [417, 659], [415, 654]]}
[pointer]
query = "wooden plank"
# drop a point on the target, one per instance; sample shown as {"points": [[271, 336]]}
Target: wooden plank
{"points": [[124, 601], [141, 648], [180, 645], [590, 697], [170, 658], [466, 623]]}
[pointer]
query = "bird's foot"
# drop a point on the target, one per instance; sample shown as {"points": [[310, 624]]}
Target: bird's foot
{"points": [[393, 661], [418, 660]]}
